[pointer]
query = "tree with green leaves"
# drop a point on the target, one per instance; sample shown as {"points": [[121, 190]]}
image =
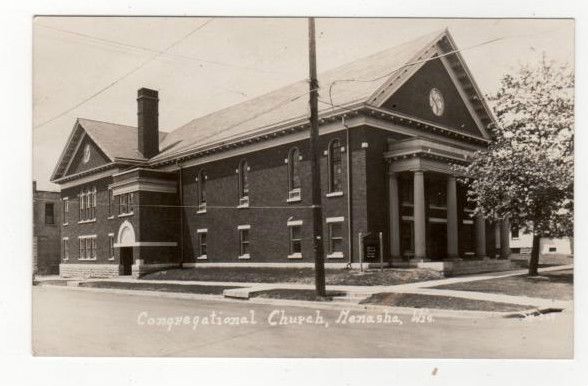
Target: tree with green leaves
{"points": [[527, 172]]}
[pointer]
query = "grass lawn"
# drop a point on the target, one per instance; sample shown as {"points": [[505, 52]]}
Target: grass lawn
{"points": [[440, 302], [163, 287], [292, 294], [296, 275], [558, 285]]}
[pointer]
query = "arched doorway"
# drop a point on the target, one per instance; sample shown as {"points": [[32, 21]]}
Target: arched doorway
{"points": [[126, 241]]}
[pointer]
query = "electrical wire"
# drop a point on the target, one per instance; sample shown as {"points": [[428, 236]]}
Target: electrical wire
{"points": [[127, 74]]}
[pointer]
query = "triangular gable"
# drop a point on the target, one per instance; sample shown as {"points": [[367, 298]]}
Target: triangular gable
{"points": [[87, 156], [438, 65], [71, 160]]}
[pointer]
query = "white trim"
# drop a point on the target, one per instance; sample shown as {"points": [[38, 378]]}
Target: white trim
{"points": [[110, 217], [335, 255], [111, 234], [65, 238], [244, 257], [126, 214], [146, 184], [242, 206], [294, 199], [291, 264], [469, 222], [335, 219], [202, 230], [202, 257], [87, 236], [437, 220], [84, 180], [295, 256], [148, 244], [327, 128], [334, 194], [73, 154], [291, 223], [432, 206], [87, 221], [364, 145], [457, 84], [247, 226]]}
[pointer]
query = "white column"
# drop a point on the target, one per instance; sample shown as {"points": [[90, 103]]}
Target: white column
{"points": [[452, 228], [394, 212], [420, 241]]}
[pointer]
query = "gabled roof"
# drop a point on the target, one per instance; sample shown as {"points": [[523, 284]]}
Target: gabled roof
{"points": [[291, 102], [117, 142], [366, 82]]}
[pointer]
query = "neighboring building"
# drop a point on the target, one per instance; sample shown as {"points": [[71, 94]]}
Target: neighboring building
{"points": [[232, 188], [521, 242], [46, 231]]}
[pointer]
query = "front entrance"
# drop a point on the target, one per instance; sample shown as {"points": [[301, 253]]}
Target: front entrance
{"points": [[437, 241], [126, 260]]}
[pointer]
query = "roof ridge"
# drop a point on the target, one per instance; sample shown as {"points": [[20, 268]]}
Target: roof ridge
{"points": [[437, 32]]}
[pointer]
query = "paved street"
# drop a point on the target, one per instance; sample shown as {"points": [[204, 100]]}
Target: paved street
{"points": [[84, 323]]}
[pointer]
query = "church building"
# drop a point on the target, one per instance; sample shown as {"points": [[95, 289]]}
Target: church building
{"points": [[233, 188]]}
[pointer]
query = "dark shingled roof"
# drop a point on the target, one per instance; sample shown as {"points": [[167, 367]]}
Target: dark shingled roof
{"points": [[291, 102], [116, 141]]}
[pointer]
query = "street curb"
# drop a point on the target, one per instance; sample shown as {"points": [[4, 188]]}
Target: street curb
{"points": [[458, 314]]}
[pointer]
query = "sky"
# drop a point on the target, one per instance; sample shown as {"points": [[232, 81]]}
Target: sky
{"points": [[92, 67]]}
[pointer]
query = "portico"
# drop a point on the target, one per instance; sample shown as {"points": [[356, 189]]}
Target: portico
{"points": [[430, 219]]}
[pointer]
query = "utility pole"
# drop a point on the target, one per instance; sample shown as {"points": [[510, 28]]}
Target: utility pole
{"points": [[317, 212]]}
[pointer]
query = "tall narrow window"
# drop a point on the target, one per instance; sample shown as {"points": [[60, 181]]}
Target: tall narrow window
{"points": [[243, 242], [514, 231], [111, 246], [294, 174], [49, 214], [243, 184], [65, 248], [65, 213], [295, 241], [82, 249], [110, 200], [335, 168], [202, 243], [335, 237], [93, 245], [201, 184], [82, 200]]}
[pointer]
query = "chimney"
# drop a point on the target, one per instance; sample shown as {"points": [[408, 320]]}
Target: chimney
{"points": [[148, 122]]}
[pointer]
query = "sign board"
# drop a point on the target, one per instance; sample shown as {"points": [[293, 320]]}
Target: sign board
{"points": [[371, 247]]}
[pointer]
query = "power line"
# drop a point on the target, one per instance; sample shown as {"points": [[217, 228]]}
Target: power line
{"points": [[113, 83], [163, 53]]}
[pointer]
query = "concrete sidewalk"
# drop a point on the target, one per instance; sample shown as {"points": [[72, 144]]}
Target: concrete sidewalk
{"points": [[354, 294]]}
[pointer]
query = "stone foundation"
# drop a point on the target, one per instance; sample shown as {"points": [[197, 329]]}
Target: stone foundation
{"points": [[140, 268], [89, 270], [465, 267]]}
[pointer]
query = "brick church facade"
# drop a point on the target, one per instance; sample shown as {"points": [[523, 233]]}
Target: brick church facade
{"points": [[232, 188]]}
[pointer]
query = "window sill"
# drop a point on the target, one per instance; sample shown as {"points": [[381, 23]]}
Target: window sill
{"points": [[92, 259], [202, 257], [437, 207], [294, 199], [295, 256], [242, 206], [335, 255], [111, 258], [110, 217], [87, 221], [126, 214], [334, 194], [200, 211], [65, 224], [244, 257]]}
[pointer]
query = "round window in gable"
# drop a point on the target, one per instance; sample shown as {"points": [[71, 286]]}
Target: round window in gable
{"points": [[436, 102], [86, 153]]}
